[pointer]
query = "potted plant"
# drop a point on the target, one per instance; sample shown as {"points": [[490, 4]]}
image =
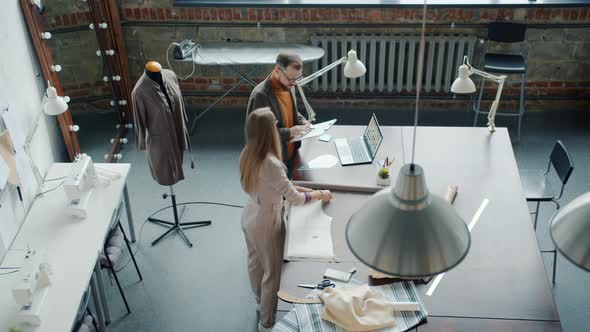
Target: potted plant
{"points": [[383, 177]]}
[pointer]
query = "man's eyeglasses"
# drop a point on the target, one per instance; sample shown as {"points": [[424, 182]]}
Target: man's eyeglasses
{"points": [[290, 80]]}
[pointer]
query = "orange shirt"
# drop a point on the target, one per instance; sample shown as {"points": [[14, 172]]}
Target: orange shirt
{"points": [[286, 102]]}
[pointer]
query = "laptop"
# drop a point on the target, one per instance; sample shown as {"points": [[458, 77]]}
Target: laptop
{"points": [[362, 149]]}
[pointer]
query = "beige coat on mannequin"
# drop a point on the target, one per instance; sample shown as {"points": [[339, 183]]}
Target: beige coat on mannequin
{"points": [[262, 223]]}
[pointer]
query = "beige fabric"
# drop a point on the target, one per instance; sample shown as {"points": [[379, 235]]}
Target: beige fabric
{"points": [[356, 308], [264, 230], [7, 153], [160, 130]]}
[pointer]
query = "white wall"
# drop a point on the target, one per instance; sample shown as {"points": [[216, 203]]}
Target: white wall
{"points": [[22, 88]]}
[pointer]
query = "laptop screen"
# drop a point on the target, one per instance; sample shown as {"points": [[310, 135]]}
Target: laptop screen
{"points": [[373, 136]]}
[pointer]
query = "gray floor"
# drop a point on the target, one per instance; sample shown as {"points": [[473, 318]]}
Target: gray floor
{"points": [[206, 288]]}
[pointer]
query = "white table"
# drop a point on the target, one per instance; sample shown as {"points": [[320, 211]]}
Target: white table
{"points": [[72, 247]]}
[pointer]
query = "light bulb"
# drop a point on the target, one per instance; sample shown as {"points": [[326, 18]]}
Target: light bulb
{"points": [[116, 78], [110, 52], [102, 25], [123, 102], [98, 53], [91, 26], [56, 68], [74, 128], [67, 99], [105, 78], [45, 35]]}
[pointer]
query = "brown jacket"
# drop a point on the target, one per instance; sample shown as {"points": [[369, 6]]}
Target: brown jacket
{"points": [[161, 130], [264, 96]]}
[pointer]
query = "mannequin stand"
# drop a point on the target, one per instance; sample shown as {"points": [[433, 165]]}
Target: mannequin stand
{"points": [[177, 225]]}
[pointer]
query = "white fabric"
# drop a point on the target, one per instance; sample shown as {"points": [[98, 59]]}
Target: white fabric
{"points": [[248, 53], [357, 308], [308, 234]]}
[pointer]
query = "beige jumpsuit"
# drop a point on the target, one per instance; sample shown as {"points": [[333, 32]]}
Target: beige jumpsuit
{"points": [[262, 223]]}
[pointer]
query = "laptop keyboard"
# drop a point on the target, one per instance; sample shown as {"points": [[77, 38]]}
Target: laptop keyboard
{"points": [[357, 149]]}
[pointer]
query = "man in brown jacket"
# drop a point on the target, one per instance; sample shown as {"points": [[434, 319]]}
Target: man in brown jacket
{"points": [[277, 92]]}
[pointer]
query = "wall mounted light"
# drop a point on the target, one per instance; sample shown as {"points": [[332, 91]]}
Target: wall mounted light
{"points": [[56, 68], [45, 35]]}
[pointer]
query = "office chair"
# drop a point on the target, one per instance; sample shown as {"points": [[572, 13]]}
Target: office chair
{"points": [[537, 187], [113, 250], [504, 32]]}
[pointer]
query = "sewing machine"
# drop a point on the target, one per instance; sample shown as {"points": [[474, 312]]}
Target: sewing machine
{"points": [[80, 182], [32, 286]]}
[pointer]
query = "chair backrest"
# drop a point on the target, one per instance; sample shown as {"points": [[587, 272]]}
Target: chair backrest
{"points": [[81, 311], [506, 32], [561, 161], [114, 222]]}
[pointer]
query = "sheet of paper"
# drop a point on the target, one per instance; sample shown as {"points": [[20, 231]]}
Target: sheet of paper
{"points": [[17, 133], [317, 129], [4, 171], [323, 161], [308, 235], [28, 182], [8, 225], [323, 125]]}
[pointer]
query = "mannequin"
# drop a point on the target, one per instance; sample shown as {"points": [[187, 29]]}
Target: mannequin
{"points": [[160, 129]]}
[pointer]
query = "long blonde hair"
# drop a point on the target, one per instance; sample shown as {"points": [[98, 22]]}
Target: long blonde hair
{"points": [[262, 138]]}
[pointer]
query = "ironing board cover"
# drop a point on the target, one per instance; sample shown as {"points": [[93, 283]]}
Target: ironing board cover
{"points": [[250, 53]]}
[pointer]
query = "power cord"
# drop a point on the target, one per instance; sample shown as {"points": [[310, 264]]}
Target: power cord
{"points": [[135, 254], [11, 272], [50, 190], [193, 57]]}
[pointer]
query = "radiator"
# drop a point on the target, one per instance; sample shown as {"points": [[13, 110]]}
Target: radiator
{"points": [[391, 62]]}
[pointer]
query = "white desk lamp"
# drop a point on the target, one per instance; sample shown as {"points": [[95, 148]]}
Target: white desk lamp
{"points": [[464, 84], [354, 68], [52, 104]]}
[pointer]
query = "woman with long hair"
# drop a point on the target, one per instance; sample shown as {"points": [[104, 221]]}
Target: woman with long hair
{"points": [[264, 177]]}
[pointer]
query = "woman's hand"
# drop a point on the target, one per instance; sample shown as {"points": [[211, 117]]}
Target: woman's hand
{"points": [[326, 195]]}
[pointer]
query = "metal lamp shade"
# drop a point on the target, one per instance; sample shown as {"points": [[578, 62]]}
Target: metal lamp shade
{"points": [[407, 232], [463, 84], [54, 104], [354, 67], [570, 231]]}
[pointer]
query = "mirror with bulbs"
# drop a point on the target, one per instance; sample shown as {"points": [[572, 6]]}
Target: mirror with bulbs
{"points": [[83, 59]]}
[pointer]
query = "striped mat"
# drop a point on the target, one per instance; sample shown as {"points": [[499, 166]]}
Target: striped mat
{"points": [[307, 317]]}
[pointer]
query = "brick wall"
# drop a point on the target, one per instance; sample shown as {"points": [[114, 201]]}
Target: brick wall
{"points": [[557, 51]]}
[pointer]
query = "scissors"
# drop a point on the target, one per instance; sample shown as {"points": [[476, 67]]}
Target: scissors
{"points": [[323, 285]]}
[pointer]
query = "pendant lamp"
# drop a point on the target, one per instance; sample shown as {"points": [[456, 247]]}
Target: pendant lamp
{"points": [[570, 231], [406, 231]]}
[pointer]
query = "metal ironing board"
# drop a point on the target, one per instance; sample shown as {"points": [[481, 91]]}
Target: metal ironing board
{"points": [[255, 54]]}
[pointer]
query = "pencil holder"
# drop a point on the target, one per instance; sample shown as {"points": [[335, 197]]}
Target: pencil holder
{"points": [[383, 176]]}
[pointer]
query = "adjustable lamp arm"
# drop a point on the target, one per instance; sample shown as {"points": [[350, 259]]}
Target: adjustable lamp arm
{"points": [[304, 80], [500, 79]]}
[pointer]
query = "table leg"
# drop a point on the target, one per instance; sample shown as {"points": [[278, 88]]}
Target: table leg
{"points": [[96, 296], [103, 295], [243, 78], [129, 215]]}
